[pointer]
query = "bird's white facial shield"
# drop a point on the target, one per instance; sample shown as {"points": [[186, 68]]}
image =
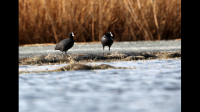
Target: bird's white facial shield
{"points": [[111, 34], [72, 34]]}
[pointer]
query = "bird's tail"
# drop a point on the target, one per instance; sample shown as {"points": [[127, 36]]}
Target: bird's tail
{"points": [[56, 48]]}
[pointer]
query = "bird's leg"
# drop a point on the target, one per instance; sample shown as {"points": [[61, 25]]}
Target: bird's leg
{"points": [[62, 53], [109, 49], [103, 50], [66, 53]]}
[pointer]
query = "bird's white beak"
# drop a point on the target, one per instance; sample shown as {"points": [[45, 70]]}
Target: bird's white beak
{"points": [[72, 34], [111, 34]]}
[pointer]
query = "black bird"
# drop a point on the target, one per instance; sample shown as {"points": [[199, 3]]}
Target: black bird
{"points": [[65, 44], [107, 40]]}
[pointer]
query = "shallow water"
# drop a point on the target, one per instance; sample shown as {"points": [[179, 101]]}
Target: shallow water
{"points": [[154, 86]]}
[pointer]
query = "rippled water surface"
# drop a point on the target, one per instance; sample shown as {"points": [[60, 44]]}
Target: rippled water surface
{"points": [[154, 86]]}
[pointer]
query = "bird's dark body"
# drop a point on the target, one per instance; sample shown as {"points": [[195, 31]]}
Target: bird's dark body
{"points": [[65, 44], [107, 40]]}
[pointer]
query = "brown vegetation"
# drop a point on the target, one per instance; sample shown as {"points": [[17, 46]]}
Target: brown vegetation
{"points": [[49, 21], [93, 58]]}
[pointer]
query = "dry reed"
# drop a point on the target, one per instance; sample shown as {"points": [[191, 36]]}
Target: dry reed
{"points": [[49, 21]]}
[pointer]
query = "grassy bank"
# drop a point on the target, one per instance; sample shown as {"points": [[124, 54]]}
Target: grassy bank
{"points": [[92, 58], [49, 21]]}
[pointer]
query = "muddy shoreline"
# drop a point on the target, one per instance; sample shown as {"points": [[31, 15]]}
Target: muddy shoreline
{"points": [[78, 61], [52, 59]]}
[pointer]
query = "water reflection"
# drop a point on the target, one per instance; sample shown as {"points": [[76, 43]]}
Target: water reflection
{"points": [[154, 86]]}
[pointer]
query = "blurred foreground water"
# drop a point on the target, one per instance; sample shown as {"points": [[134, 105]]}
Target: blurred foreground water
{"points": [[154, 86]]}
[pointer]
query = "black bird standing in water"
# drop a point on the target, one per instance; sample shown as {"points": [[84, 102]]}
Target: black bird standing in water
{"points": [[107, 40], [65, 44]]}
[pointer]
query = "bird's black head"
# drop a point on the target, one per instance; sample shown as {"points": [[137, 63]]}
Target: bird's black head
{"points": [[71, 35], [109, 34]]}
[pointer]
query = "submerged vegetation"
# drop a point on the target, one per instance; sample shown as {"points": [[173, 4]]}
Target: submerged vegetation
{"points": [[79, 62], [92, 58], [49, 21]]}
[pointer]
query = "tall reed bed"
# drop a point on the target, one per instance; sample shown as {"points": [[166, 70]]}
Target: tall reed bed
{"points": [[49, 21]]}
